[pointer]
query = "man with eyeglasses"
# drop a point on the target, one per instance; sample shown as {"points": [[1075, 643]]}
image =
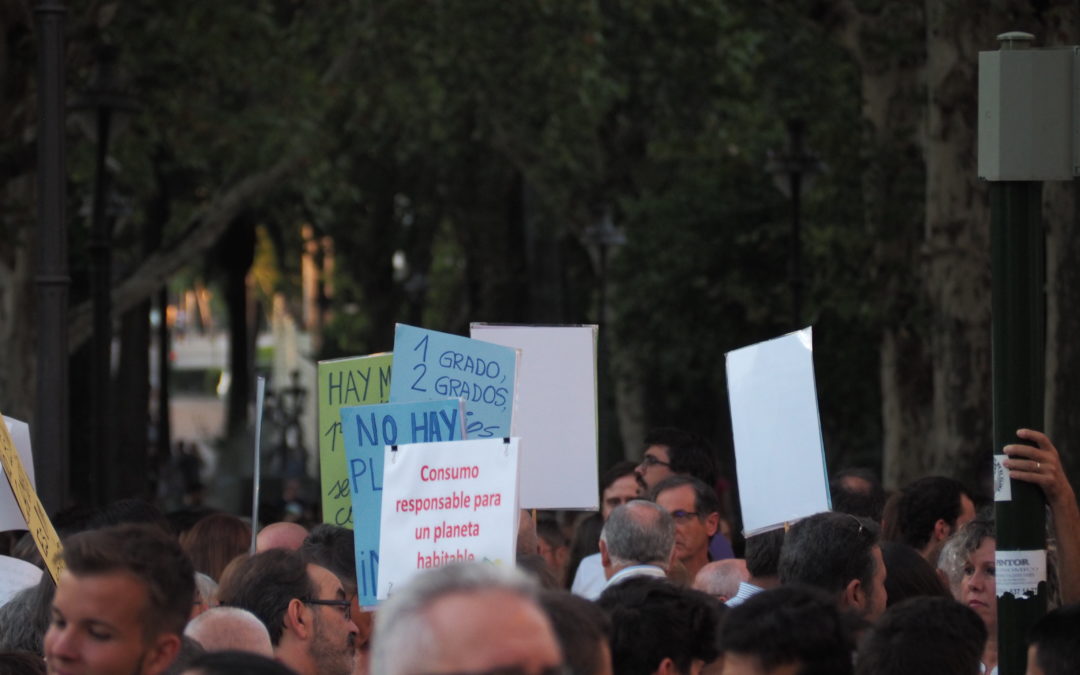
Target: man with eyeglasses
{"points": [[696, 511], [465, 619], [304, 607]]}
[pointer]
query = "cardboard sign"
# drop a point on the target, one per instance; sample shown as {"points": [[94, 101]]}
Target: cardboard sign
{"points": [[444, 502], [779, 454], [11, 517], [41, 528], [16, 575], [555, 413], [367, 429], [429, 366], [357, 380]]}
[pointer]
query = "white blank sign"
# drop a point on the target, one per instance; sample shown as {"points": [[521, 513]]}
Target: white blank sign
{"points": [[555, 412], [779, 455]]}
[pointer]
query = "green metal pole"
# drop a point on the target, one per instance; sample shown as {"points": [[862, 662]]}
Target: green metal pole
{"points": [[1019, 313]]}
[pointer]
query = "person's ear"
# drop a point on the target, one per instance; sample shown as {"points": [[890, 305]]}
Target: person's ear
{"points": [[854, 595], [161, 654], [942, 530], [712, 523], [667, 667], [297, 620], [605, 557]]}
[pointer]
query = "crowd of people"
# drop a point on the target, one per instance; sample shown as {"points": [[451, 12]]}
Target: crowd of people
{"points": [[882, 584]]}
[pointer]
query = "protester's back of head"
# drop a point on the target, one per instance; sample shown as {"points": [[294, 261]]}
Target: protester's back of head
{"points": [[653, 620], [236, 663], [230, 629], [763, 553], [264, 584], [858, 492], [787, 626], [909, 575], [639, 532], [214, 541], [1055, 642], [924, 635], [21, 663], [828, 551], [922, 503], [583, 630]]}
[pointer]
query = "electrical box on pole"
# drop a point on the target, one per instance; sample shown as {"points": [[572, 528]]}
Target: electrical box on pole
{"points": [[1028, 133]]}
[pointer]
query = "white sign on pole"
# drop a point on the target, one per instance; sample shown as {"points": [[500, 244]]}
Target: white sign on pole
{"points": [[779, 454], [555, 413], [445, 502], [11, 517]]}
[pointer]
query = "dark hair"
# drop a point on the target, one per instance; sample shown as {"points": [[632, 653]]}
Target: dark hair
{"points": [[238, 663], [586, 542], [1057, 649], [580, 627], [214, 541], [152, 556], [614, 473], [652, 619], [534, 565], [265, 584], [924, 502], [790, 624], [869, 503], [705, 499], [763, 553], [190, 649], [689, 453], [552, 533], [334, 548], [129, 512], [924, 635], [21, 663], [909, 575], [828, 550]]}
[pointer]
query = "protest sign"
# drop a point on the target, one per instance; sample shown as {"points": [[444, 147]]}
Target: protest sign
{"points": [[41, 528], [16, 575], [357, 380], [429, 365], [779, 454], [11, 517], [445, 502], [366, 430], [555, 412]]}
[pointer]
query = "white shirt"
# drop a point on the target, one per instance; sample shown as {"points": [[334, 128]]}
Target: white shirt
{"points": [[589, 580]]}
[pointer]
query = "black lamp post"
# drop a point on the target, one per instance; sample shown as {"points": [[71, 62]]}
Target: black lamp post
{"points": [[793, 170], [50, 425], [105, 98]]}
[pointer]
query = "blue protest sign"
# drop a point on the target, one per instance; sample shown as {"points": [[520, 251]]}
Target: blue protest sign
{"points": [[367, 429], [430, 365]]}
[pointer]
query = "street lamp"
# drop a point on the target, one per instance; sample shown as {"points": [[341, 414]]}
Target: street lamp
{"points": [[105, 98], [793, 170]]}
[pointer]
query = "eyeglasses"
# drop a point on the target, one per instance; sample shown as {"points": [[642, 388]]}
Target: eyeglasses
{"points": [[649, 460], [681, 516], [345, 605]]}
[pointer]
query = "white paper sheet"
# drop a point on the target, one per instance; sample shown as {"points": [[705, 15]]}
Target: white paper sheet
{"points": [[779, 454]]}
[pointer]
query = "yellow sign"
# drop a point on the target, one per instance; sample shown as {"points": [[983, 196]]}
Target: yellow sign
{"points": [[41, 528]]}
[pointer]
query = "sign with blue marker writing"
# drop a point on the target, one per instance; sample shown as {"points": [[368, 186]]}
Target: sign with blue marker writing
{"points": [[367, 430], [355, 380], [429, 365]]}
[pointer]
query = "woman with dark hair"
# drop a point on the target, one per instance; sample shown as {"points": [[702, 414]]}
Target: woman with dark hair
{"points": [[214, 541]]}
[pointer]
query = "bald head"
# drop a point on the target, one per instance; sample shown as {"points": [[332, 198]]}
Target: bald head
{"points": [[721, 578], [288, 536], [638, 532], [230, 628]]}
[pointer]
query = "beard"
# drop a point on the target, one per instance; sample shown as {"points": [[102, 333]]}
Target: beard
{"points": [[332, 657]]}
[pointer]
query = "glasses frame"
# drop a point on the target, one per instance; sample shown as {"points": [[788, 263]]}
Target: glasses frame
{"points": [[649, 460], [344, 604]]}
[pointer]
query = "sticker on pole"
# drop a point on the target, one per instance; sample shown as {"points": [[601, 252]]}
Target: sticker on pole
{"points": [[1002, 483], [1019, 573]]}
